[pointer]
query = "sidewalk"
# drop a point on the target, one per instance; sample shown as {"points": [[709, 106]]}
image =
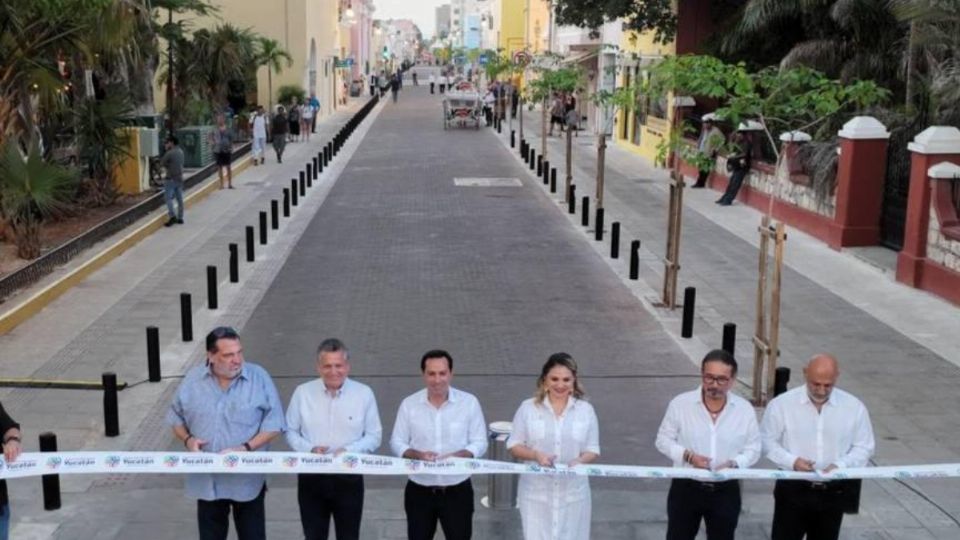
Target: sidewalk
{"points": [[99, 325], [899, 347]]}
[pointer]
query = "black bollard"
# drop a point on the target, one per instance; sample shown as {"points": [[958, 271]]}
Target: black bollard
{"points": [[274, 214], [294, 190], [111, 412], [513, 138], [211, 292], [499, 126], [186, 317], [303, 184], [598, 226], [234, 262], [286, 202], [533, 159], [729, 337], [572, 199], [326, 155], [780, 379], [313, 163], [635, 259], [310, 174], [263, 228], [689, 302], [553, 180], [546, 172], [153, 354], [615, 240], [50, 482], [540, 165], [585, 212], [251, 255]]}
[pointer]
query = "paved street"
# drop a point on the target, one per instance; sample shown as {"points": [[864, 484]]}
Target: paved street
{"points": [[394, 257]]}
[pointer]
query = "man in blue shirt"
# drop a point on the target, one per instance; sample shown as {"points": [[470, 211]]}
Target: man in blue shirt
{"points": [[227, 405]]}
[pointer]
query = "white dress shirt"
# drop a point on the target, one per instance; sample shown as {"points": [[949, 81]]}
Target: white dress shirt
{"points": [[554, 508], [687, 426], [346, 418], [839, 434], [456, 425]]}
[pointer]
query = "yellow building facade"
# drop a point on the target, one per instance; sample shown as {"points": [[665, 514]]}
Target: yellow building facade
{"points": [[307, 29], [538, 26], [512, 34], [647, 124]]}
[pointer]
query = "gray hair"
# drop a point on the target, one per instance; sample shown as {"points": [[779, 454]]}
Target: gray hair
{"points": [[331, 345]]}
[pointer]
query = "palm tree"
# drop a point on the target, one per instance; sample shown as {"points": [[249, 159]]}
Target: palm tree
{"points": [[30, 190], [271, 55], [222, 54]]}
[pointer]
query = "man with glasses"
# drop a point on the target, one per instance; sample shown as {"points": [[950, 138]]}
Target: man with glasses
{"points": [[227, 406], [331, 415], [713, 429], [816, 428]]}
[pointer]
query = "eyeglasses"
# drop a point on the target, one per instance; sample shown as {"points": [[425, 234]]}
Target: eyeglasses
{"points": [[710, 379]]}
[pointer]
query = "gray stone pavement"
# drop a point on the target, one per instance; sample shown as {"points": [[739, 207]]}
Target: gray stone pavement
{"points": [[394, 258]]}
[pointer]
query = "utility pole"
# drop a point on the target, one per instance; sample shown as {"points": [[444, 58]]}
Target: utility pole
{"points": [[171, 72]]}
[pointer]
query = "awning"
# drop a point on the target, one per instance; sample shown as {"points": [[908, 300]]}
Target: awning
{"points": [[581, 55]]}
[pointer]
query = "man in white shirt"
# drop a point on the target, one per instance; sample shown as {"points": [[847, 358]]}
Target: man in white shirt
{"points": [[259, 133], [330, 415], [433, 424], [708, 428], [815, 428]]}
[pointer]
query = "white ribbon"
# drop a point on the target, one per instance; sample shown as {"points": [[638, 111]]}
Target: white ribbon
{"points": [[36, 464]]}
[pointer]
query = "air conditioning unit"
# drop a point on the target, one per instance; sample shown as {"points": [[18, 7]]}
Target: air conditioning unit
{"points": [[149, 142]]}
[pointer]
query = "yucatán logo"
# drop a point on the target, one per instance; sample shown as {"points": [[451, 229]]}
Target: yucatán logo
{"points": [[230, 461], [112, 461], [290, 461], [53, 462], [171, 461]]}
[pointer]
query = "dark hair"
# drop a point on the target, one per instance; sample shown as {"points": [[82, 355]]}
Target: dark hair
{"points": [[218, 333], [173, 139], [435, 353], [560, 359], [332, 345], [720, 355]]}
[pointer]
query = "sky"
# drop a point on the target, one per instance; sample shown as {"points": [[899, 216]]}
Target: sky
{"points": [[421, 11]]}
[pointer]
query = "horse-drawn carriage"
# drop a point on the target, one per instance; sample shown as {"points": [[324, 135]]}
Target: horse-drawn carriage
{"points": [[462, 106]]}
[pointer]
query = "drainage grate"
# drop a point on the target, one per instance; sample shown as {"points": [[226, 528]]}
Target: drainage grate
{"points": [[487, 182]]}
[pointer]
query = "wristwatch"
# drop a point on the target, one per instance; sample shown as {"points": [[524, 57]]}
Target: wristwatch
{"points": [[248, 447]]}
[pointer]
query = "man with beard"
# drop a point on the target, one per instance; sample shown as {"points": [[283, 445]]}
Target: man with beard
{"points": [[815, 428], [708, 428], [227, 406]]}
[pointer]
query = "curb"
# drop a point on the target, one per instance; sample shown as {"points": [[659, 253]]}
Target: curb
{"points": [[29, 307]]}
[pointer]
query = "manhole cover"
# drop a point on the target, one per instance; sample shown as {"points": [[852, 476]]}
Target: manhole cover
{"points": [[487, 182]]}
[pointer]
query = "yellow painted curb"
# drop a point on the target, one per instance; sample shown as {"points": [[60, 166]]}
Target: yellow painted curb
{"points": [[40, 299]]}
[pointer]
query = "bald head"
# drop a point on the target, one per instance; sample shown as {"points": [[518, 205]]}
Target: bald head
{"points": [[821, 374]]}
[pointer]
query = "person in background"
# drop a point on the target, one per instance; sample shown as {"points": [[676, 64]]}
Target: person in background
{"points": [[293, 120], [258, 132], [710, 141], [278, 128], [222, 141], [556, 426], [738, 164], [172, 163], [314, 104], [306, 120]]}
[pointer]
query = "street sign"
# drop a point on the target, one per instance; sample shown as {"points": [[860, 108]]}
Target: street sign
{"points": [[345, 63], [483, 60], [522, 58], [459, 59]]}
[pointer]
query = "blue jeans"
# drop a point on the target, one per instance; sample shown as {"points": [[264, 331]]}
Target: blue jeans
{"points": [[173, 190], [4, 521]]}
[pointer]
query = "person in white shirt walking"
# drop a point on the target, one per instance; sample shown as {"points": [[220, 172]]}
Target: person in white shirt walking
{"points": [[331, 415], [554, 427], [433, 424], [815, 428], [433, 82], [259, 134], [708, 428]]}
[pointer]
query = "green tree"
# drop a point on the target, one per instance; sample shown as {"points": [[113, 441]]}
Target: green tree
{"points": [[31, 190], [640, 16], [222, 55], [273, 56]]}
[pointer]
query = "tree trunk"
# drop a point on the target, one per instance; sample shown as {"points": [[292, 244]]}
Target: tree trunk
{"points": [[543, 131], [27, 237], [269, 89], [569, 178], [601, 166], [910, 98], [520, 115]]}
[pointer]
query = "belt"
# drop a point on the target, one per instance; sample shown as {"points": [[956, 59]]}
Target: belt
{"points": [[439, 490], [710, 487]]}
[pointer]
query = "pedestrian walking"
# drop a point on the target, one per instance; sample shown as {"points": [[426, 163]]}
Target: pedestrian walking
{"points": [[395, 87], [738, 164], [816, 428], [557, 110], [373, 85], [713, 429], [314, 104], [306, 121], [413, 74], [10, 436], [293, 120], [227, 406], [514, 98], [443, 82], [279, 127], [258, 132], [488, 103], [433, 424], [172, 163], [433, 82], [222, 141], [556, 426], [331, 415], [709, 143]]}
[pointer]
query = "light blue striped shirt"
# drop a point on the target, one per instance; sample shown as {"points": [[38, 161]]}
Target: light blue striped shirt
{"points": [[226, 418]]}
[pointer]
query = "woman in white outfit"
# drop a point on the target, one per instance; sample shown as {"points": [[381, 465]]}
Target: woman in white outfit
{"points": [[555, 427]]}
